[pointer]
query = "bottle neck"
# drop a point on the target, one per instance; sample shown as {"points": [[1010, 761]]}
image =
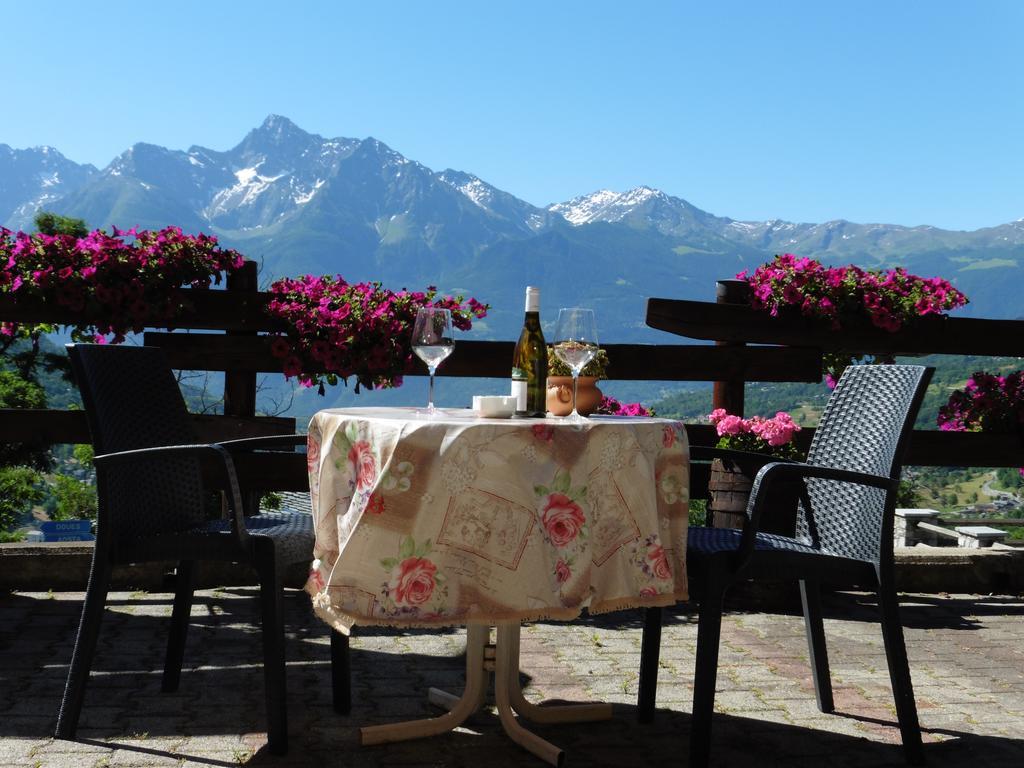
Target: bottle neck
{"points": [[532, 320]]}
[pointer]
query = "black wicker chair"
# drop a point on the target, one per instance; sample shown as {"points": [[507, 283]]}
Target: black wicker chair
{"points": [[844, 537], [151, 508]]}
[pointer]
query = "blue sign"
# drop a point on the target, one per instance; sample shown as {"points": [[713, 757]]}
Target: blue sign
{"points": [[67, 530]]}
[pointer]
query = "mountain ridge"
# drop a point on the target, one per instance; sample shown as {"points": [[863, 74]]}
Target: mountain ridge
{"points": [[299, 202]]}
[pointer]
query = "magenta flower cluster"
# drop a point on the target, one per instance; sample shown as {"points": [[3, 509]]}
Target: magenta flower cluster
{"points": [[336, 330], [757, 434], [609, 406], [118, 283], [889, 298], [987, 403]]}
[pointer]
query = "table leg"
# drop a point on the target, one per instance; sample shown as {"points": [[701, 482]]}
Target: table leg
{"points": [[503, 659], [477, 636], [555, 713]]}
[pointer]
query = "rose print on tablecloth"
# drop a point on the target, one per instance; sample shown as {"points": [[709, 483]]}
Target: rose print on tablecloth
{"points": [[653, 569], [658, 561], [561, 516], [413, 580], [362, 465], [543, 432], [668, 436], [562, 571], [375, 505]]}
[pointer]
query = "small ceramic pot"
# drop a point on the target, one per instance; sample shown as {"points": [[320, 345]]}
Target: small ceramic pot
{"points": [[559, 399]]}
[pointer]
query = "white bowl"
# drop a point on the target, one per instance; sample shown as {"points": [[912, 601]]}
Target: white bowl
{"points": [[494, 406]]}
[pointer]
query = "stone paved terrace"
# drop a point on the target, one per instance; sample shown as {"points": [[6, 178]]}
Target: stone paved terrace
{"points": [[967, 657]]}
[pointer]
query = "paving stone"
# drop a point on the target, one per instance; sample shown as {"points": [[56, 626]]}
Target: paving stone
{"points": [[965, 656]]}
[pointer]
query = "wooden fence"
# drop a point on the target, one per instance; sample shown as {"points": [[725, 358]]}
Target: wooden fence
{"points": [[789, 350]]}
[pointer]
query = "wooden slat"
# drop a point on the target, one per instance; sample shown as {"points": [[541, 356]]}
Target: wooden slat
{"points": [[492, 359], [212, 310], [270, 471], [929, 335], [927, 448], [45, 427]]}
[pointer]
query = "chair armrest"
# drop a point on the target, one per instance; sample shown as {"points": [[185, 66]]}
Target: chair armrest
{"points": [[778, 470], [259, 443], [198, 451]]}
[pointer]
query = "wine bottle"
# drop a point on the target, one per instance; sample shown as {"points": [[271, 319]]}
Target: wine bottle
{"points": [[530, 361]]}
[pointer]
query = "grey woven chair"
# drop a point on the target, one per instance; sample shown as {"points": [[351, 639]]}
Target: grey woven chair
{"points": [[844, 537], [151, 495]]}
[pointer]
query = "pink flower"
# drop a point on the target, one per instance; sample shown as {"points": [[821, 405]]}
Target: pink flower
{"points": [[414, 582], [562, 572], [731, 425], [562, 519]]}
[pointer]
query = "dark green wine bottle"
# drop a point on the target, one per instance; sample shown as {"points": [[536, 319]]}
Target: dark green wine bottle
{"points": [[530, 362]]}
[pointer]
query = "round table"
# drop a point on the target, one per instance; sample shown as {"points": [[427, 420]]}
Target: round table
{"points": [[459, 520]]}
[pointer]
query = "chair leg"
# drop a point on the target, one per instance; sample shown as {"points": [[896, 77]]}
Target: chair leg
{"points": [[341, 673], [85, 645], [810, 596], [899, 674], [272, 605], [184, 587], [709, 629], [650, 650]]}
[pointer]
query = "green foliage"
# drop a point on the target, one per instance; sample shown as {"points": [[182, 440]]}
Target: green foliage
{"points": [[17, 392], [83, 453], [49, 223], [698, 512], [907, 496], [74, 499], [1009, 479], [19, 491]]}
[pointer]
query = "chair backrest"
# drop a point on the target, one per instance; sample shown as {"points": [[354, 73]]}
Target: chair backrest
{"points": [[133, 401], [864, 428]]}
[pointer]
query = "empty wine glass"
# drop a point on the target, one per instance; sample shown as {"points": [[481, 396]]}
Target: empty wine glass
{"points": [[432, 341], [575, 344]]}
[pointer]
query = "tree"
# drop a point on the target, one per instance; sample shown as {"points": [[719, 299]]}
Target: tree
{"points": [[74, 499], [49, 223], [19, 491]]}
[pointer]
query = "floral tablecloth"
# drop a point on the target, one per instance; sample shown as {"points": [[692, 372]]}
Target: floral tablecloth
{"points": [[454, 519]]}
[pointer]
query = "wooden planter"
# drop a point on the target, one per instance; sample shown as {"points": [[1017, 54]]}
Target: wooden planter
{"points": [[729, 487]]}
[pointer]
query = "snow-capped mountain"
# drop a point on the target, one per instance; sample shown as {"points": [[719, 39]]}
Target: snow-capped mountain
{"points": [[34, 178], [298, 202]]}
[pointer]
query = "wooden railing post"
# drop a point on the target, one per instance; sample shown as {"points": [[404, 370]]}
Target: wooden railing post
{"points": [[240, 385], [728, 394]]}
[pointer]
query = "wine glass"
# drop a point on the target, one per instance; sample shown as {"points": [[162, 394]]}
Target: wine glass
{"points": [[432, 341], [575, 344]]}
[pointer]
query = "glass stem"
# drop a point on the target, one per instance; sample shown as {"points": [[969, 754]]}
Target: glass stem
{"points": [[430, 397], [575, 378]]}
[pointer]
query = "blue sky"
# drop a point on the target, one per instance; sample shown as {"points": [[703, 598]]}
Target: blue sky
{"points": [[906, 113]]}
